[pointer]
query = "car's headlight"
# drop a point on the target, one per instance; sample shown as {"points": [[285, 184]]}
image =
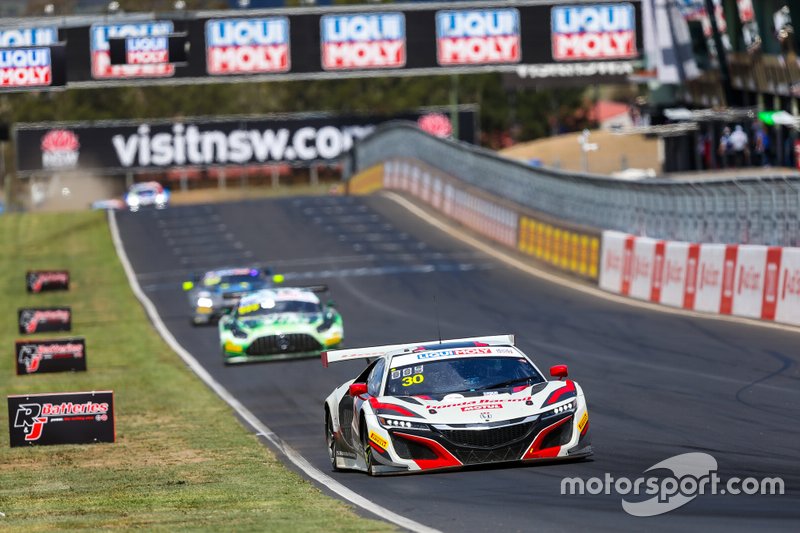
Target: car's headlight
{"points": [[160, 198], [204, 301], [401, 424], [569, 406], [132, 200]]}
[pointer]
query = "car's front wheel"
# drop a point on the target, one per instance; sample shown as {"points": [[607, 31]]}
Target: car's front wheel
{"points": [[368, 453], [330, 439]]}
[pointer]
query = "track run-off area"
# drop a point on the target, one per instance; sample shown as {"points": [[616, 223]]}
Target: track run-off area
{"points": [[657, 384]]}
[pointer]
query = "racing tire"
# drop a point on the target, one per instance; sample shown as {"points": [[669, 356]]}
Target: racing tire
{"points": [[330, 440], [367, 449]]}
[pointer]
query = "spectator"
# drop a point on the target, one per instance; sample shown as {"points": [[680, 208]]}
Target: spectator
{"points": [[738, 141], [760, 146], [724, 149]]}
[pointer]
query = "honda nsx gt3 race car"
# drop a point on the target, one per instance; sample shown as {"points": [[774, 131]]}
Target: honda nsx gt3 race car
{"points": [[280, 323], [147, 194], [218, 291], [448, 404]]}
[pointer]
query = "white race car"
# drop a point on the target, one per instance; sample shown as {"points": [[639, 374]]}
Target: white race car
{"points": [[146, 194], [448, 404]]}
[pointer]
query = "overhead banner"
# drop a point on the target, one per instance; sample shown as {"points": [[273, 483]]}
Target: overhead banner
{"points": [[44, 319], [47, 280], [53, 355], [32, 67], [61, 418], [299, 139], [453, 37]]}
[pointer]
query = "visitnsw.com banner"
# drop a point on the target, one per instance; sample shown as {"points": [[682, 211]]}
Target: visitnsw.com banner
{"points": [[299, 140]]}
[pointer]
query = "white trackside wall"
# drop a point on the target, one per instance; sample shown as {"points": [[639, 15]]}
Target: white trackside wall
{"points": [[484, 216], [743, 280]]}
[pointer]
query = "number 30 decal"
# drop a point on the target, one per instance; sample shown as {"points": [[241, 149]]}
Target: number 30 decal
{"points": [[413, 380]]}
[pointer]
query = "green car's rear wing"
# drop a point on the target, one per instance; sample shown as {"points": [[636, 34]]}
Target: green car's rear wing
{"points": [[335, 356]]}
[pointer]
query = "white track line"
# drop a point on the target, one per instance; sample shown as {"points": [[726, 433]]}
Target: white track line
{"points": [[260, 428], [461, 235]]}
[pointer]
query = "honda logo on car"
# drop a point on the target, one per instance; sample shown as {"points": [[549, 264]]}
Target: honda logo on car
{"points": [[478, 37], [100, 49], [247, 46], [25, 67], [146, 50], [374, 40], [605, 31]]}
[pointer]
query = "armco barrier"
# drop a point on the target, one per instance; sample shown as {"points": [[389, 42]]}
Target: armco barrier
{"points": [[751, 281], [733, 209], [567, 247]]}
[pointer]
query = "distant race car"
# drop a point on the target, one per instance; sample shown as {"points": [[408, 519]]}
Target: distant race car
{"points": [[219, 291], [280, 323], [147, 194], [449, 404]]}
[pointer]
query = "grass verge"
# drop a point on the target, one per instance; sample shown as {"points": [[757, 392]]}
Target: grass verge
{"points": [[181, 461]]}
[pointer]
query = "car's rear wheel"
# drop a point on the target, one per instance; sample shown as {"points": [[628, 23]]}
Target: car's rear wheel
{"points": [[331, 440]]}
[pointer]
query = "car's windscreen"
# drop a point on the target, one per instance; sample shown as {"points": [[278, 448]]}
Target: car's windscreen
{"points": [[210, 280], [274, 307], [446, 376]]}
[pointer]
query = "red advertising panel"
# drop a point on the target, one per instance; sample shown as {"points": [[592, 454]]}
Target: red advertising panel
{"points": [[363, 41]]}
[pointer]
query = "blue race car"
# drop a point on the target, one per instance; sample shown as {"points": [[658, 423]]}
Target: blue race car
{"points": [[218, 291]]}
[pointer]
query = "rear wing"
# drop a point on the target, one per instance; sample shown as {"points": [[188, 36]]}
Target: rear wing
{"points": [[336, 356]]}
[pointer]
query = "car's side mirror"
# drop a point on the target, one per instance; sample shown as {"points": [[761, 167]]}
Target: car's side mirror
{"points": [[278, 278], [357, 389], [559, 371], [188, 285], [331, 303]]}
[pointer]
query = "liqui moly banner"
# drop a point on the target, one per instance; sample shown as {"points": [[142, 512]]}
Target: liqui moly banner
{"points": [[247, 46], [750, 281], [53, 355], [31, 36], [102, 67], [32, 67], [44, 319], [46, 280], [61, 418], [593, 31], [478, 37], [363, 41]]}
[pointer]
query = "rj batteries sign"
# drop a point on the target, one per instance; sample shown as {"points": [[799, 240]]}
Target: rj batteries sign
{"points": [[55, 355], [61, 418], [42, 319]]}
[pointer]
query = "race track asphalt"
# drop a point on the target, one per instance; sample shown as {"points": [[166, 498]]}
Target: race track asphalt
{"points": [[657, 384]]}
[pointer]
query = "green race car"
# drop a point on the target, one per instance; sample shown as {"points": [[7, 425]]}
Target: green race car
{"points": [[279, 323]]}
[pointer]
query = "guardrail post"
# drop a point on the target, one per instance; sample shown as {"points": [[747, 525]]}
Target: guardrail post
{"points": [[275, 176]]}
